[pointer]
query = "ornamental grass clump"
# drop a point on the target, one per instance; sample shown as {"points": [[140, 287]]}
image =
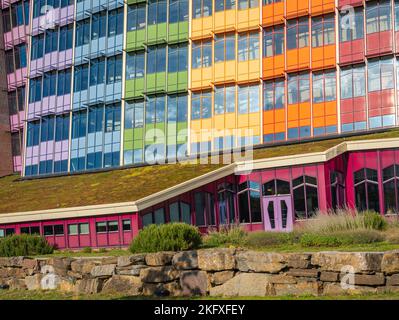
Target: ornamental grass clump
{"points": [[166, 237], [24, 245], [226, 236]]}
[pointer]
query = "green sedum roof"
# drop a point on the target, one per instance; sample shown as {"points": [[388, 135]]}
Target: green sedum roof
{"points": [[123, 185]]}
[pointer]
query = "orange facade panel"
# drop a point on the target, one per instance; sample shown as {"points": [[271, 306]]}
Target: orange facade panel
{"points": [[248, 71], [323, 57], [298, 59], [322, 6], [273, 67], [296, 8], [224, 72], [201, 27], [201, 78], [273, 14], [248, 19], [224, 21]]}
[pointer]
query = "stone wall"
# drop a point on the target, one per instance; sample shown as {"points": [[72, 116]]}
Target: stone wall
{"points": [[215, 272]]}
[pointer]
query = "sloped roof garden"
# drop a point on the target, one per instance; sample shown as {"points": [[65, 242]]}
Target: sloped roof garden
{"points": [[131, 184]]}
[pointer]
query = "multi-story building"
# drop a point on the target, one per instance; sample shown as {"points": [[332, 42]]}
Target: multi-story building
{"points": [[130, 84]]}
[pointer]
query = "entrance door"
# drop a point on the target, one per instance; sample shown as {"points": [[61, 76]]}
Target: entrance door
{"points": [[277, 213]]}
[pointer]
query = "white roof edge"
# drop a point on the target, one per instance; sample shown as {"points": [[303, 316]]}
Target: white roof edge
{"points": [[234, 168]]}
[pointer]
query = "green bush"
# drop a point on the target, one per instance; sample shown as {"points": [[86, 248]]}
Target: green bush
{"points": [[341, 238], [24, 245], [373, 220], [166, 237], [87, 250], [265, 239], [234, 236]]}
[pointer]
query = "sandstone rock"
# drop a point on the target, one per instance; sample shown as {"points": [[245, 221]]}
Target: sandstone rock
{"points": [[311, 273], [123, 284], [260, 261], [244, 284], [297, 289], [329, 276], [282, 279], [12, 272], [159, 258], [159, 274], [135, 259], [220, 277], [333, 289], [83, 266], [185, 260], [60, 265], [33, 282], [50, 281], [66, 285], [162, 289], [133, 270], [359, 261], [390, 262], [138, 258], [75, 275], [393, 280], [16, 284], [103, 270], [298, 260], [370, 279], [88, 286], [216, 259], [194, 283], [28, 263], [109, 260], [11, 261]]}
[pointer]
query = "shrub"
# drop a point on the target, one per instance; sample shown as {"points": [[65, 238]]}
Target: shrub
{"points": [[234, 235], [102, 250], [341, 238], [87, 250], [166, 237], [373, 220], [24, 245], [265, 239]]}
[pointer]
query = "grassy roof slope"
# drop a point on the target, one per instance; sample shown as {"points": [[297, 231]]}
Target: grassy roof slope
{"points": [[127, 184]]}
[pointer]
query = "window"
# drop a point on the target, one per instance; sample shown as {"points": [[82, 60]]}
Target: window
{"points": [[126, 225], [2, 234], [81, 78], [64, 82], [323, 31], [273, 41], [156, 59], [37, 46], [273, 95], [155, 110], [6, 20], [134, 65], [204, 209], [177, 58], [99, 25], [246, 4], [49, 83], [20, 56], [134, 115], [276, 187], [249, 202], [66, 35], [248, 46], [51, 41], [82, 32], [396, 15], [180, 212], [202, 8], [221, 5], [47, 129], [114, 69], [297, 33], [9, 231], [337, 184], [201, 54], [136, 15], [178, 11], [57, 230], [353, 82], [106, 226], [157, 217], [225, 99], [201, 105], [226, 203], [12, 103], [15, 144], [225, 47], [305, 196], [390, 176], [324, 86], [298, 88], [62, 127], [115, 22], [157, 11], [30, 230], [366, 189], [380, 74], [33, 133], [248, 99], [378, 16], [351, 31], [10, 67]]}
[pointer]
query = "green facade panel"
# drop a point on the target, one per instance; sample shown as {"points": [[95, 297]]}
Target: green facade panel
{"points": [[157, 33], [178, 32], [135, 40], [177, 81], [134, 88], [155, 82]]}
